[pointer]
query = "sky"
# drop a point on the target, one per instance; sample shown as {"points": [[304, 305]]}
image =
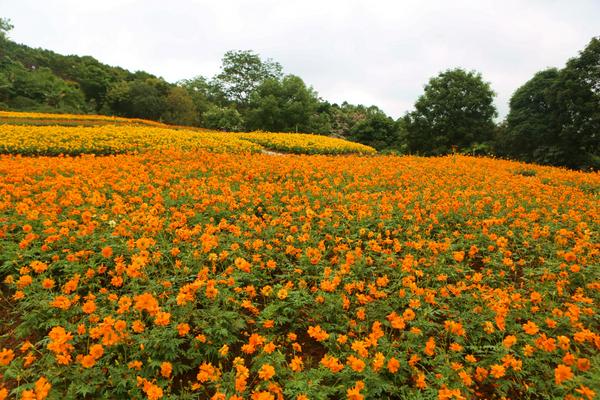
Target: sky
{"points": [[365, 52]]}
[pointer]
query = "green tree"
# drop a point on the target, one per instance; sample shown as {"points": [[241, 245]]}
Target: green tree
{"points": [[223, 118], [377, 130], [242, 72], [578, 102], [286, 105], [204, 94], [5, 27], [456, 109], [44, 91], [179, 108], [532, 128], [139, 98], [554, 118]]}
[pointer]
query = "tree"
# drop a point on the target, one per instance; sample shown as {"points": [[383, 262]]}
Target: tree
{"points": [[456, 110], [179, 108], [532, 128], [204, 94], [223, 118], [242, 72], [41, 90], [578, 101], [285, 105], [138, 98], [554, 118], [5, 27], [377, 130]]}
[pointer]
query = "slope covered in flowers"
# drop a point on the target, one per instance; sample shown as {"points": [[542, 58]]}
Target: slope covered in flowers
{"points": [[246, 276], [35, 118], [67, 134]]}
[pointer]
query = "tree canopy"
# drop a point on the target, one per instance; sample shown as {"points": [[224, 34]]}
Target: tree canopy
{"points": [[554, 118], [242, 72], [456, 110]]}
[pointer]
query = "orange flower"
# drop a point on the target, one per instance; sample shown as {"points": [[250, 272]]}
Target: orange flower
{"points": [[165, 369], [6, 356], [317, 333], [96, 351], [153, 391], [420, 382], [354, 392], [378, 361], [262, 395], [356, 363], [61, 302], [296, 364], [183, 329], [562, 373], [396, 321], [146, 302], [89, 307], [48, 283], [107, 252], [87, 361], [458, 256], [138, 326], [162, 318], [530, 328], [583, 364], [332, 363], [430, 346], [266, 372], [393, 365], [136, 365], [497, 371], [509, 341], [586, 391]]}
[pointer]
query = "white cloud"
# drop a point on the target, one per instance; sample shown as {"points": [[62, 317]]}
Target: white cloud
{"points": [[380, 52]]}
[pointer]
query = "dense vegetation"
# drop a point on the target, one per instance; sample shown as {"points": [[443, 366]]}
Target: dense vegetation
{"points": [[144, 260], [32, 134], [229, 276], [554, 118]]}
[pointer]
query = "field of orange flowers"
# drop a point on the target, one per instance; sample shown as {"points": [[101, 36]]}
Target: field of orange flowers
{"points": [[196, 275]]}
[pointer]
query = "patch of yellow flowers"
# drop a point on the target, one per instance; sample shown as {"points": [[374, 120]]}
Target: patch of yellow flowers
{"points": [[115, 139], [70, 119], [112, 139], [304, 143]]}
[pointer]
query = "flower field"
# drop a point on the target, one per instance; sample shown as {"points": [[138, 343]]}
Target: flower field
{"points": [[34, 118], [69, 137], [304, 144], [112, 139], [194, 274]]}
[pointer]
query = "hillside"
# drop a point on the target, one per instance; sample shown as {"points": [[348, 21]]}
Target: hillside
{"points": [[191, 273]]}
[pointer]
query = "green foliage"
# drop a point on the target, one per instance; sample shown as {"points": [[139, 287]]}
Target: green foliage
{"points": [[456, 111], [242, 71], [5, 27], [204, 94], [285, 105], [531, 126], [554, 118], [223, 118], [139, 99], [377, 130], [179, 108]]}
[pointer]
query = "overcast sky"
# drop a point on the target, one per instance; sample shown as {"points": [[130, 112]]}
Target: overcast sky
{"points": [[376, 52]]}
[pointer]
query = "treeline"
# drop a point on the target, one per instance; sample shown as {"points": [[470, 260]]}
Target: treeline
{"points": [[554, 118]]}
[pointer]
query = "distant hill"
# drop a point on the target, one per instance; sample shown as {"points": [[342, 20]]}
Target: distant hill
{"points": [[42, 80]]}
